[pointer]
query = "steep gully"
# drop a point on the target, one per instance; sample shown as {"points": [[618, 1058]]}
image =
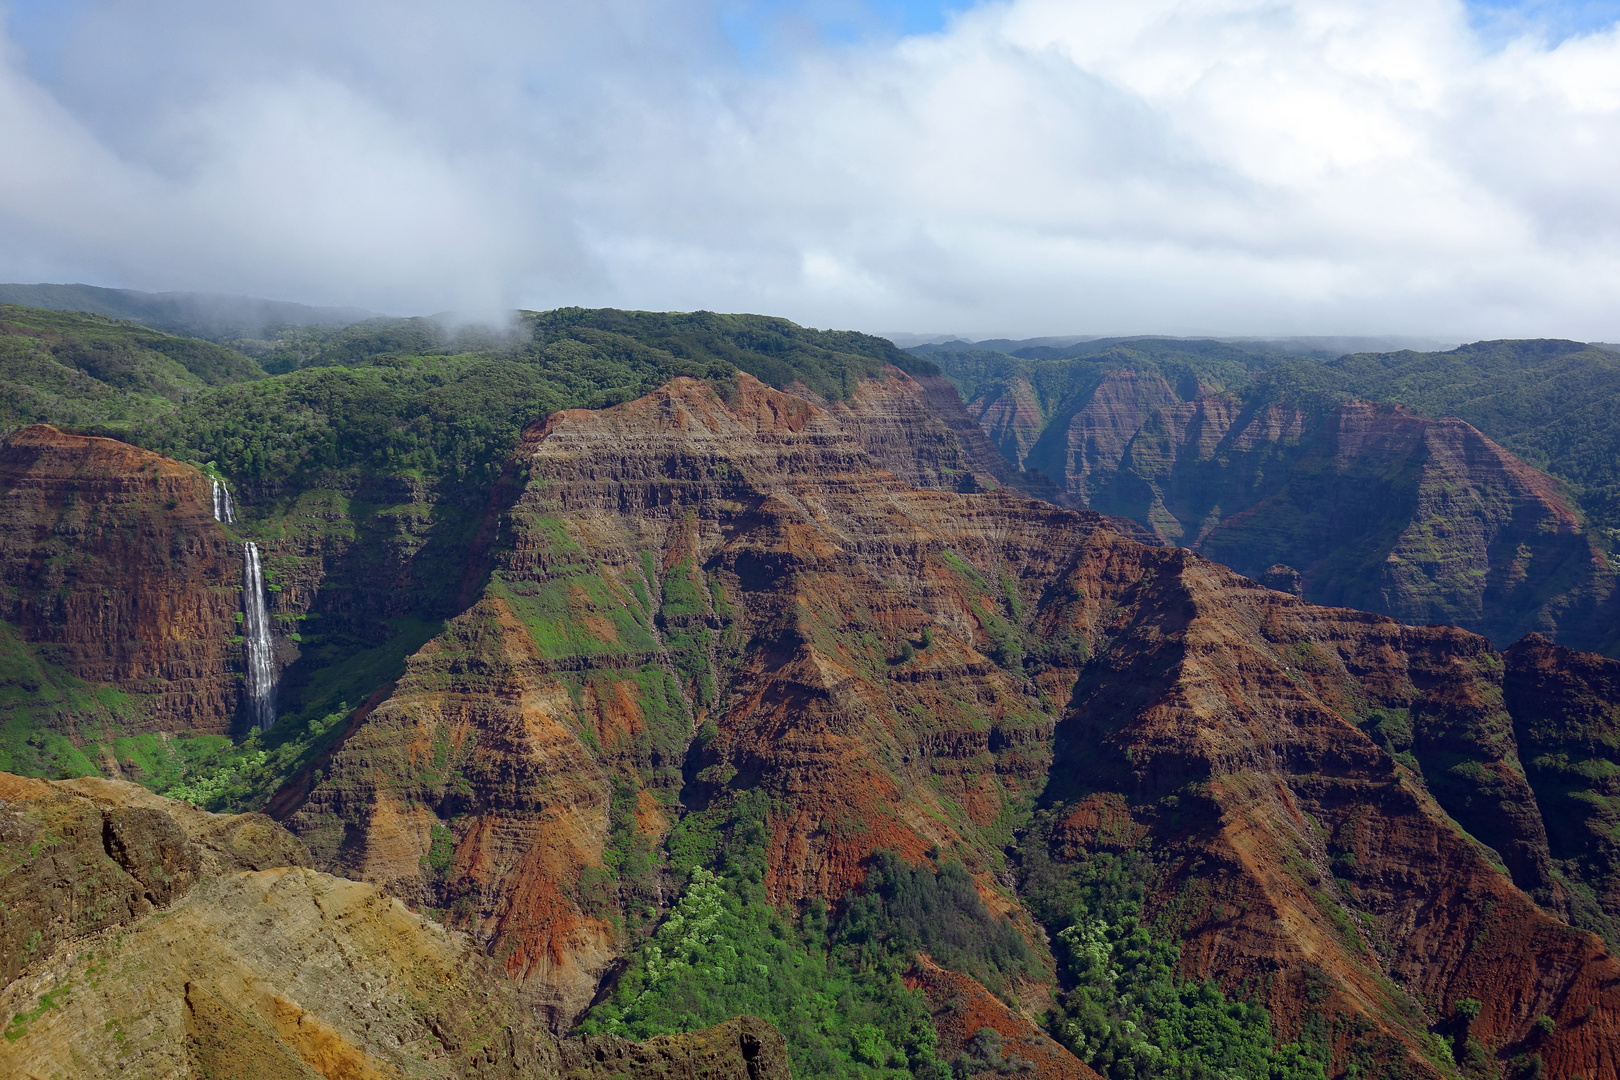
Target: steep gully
{"points": [[757, 566]]}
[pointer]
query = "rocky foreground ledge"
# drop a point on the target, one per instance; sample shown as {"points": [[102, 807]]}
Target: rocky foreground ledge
{"points": [[140, 936]]}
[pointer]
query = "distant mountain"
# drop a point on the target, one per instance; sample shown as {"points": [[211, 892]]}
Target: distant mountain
{"points": [[1257, 459], [205, 315], [1059, 348]]}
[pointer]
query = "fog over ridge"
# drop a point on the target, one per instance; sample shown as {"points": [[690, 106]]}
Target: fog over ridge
{"points": [[1036, 167]]}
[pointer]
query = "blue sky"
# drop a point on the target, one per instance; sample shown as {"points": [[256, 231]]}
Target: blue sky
{"points": [[36, 22], [1556, 19], [752, 24]]}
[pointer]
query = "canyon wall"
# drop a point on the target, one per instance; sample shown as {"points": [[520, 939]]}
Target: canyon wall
{"points": [[705, 601], [114, 572], [1372, 505], [145, 937]]}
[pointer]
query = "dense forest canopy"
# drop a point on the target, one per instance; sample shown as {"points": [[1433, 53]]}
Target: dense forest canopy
{"points": [[411, 395]]}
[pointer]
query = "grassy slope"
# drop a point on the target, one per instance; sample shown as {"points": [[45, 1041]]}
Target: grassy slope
{"points": [[78, 370]]}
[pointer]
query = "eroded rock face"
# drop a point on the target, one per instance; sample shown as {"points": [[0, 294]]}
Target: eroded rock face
{"points": [[705, 599], [82, 856], [1425, 520], [1230, 723], [1376, 507], [483, 732], [1566, 718], [276, 973], [1011, 418], [740, 573], [916, 427], [1083, 450], [112, 563], [746, 1048], [263, 973], [986, 1037]]}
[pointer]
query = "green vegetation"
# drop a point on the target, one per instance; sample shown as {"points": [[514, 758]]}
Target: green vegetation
{"points": [[906, 909], [76, 370], [34, 692], [1127, 1012], [391, 395], [831, 984], [387, 395], [1554, 403], [50, 999]]}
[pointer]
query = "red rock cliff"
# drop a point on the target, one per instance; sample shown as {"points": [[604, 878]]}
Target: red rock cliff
{"points": [[112, 565]]}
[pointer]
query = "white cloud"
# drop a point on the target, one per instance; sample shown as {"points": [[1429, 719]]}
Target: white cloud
{"points": [[1041, 166]]}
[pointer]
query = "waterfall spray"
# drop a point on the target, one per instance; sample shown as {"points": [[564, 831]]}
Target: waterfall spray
{"points": [[222, 504], [261, 667]]}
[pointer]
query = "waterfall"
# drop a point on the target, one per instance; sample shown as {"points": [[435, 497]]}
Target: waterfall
{"points": [[261, 665], [222, 504]]}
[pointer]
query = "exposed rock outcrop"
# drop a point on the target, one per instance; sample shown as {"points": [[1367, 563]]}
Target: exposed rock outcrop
{"points": [[113, 567], [1010, 416], [1376, 507], [916, 427], [1566, 719], [84, 856], [1334, 802], [746, 1048], [980, 1036], [1231, 719], [263, 972], [682, 562]]}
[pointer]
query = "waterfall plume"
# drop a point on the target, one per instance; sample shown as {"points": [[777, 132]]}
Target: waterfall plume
{"points": [[260, 693], [222, 504]]}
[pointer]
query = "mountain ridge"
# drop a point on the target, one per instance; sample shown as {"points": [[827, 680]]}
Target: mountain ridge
{"points": [[716, 696]]}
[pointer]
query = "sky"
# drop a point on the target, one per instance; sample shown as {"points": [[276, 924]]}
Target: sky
{"points": [[1012, 168]]}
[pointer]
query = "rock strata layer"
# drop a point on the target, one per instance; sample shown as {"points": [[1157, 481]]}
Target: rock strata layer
{"points": [[113, 568], [192, 945], [706, 599], [1374, 506]]}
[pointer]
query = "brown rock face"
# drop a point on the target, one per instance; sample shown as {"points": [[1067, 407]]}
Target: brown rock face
{"points": [[112, 566], [1566, 717], [82, 856], [916, 427], [1229, 718], [1376, 507], [262, 973], [985, 1036], [483, 732], [270, 974], [1426, 520], [716, 599], [682, 567], [1011, 418], [746, 1048]]}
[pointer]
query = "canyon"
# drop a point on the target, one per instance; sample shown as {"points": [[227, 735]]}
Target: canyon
{"points": [[728, 642], [1373, 505]]}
